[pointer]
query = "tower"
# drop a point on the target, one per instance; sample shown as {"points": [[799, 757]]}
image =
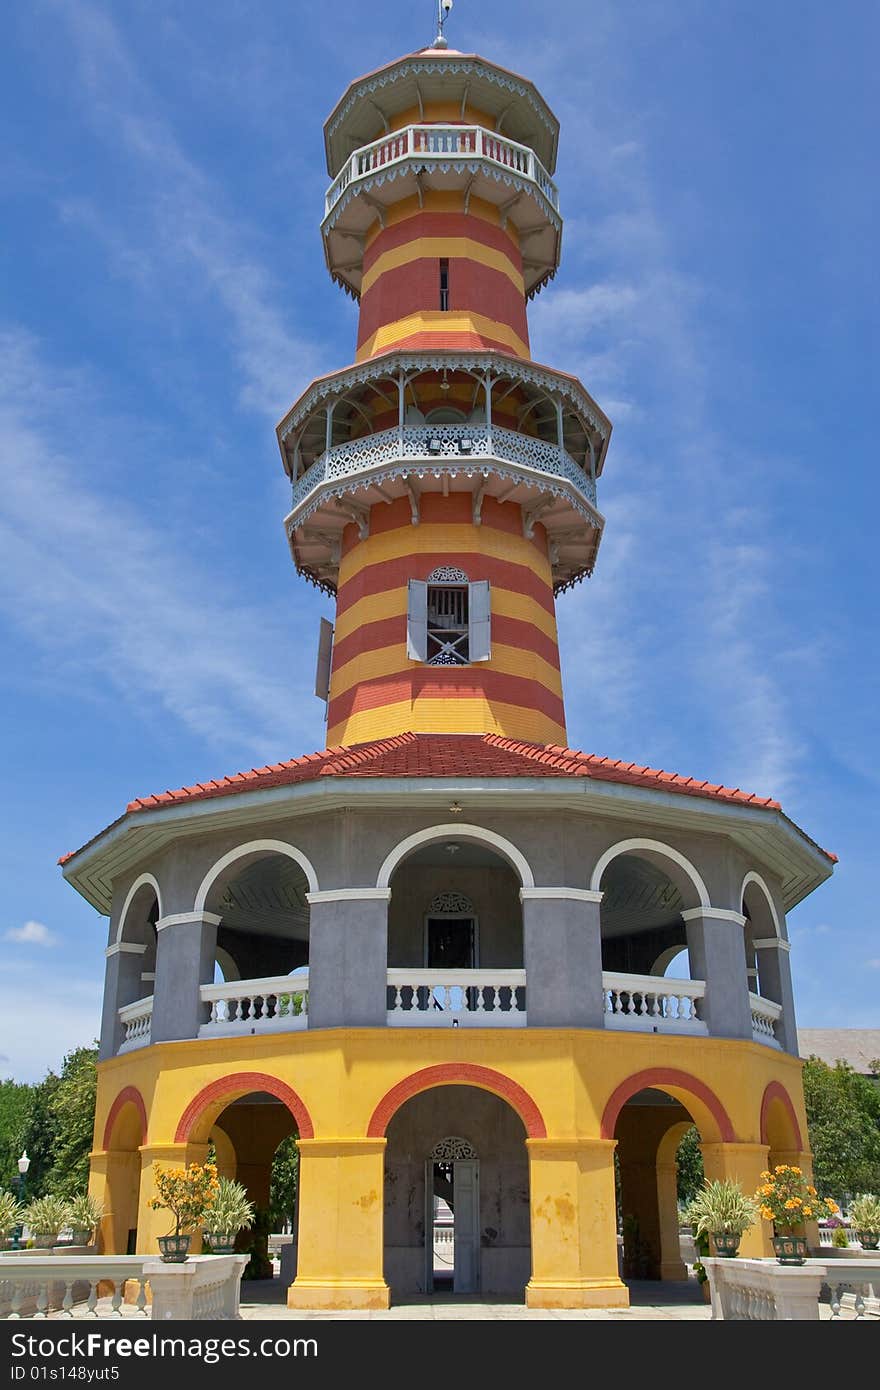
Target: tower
{"points": [[444, 484]]}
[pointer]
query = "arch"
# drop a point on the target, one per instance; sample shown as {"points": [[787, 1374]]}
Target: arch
{"points": [[458, 1074], [752, 877], [129, 1095], [254, 847], [219, 1093], [667, 1149], [505, 848], [657, 847], [227, 965], [776, 1094], [141, 881], [665, 959], [674, 1080]]}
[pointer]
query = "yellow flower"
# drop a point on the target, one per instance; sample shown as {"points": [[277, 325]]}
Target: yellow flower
{"points": [[796, 1170], [808, 1211], [767, 1189]]}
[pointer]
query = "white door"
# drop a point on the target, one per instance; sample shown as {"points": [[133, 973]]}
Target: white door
{"points": [[466, 1199]]}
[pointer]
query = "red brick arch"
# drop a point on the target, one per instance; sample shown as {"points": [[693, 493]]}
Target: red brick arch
{"points": [[458, 1074], [660, 1077], [776, 1091], [240, 1084], [129, 1095]]}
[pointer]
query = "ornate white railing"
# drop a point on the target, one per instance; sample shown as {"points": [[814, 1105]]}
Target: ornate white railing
{"points": [[765, 1015], [136, 1020], [35, 1286], [764, 1291], [443, 448], [443, 998], [277, 1004], [437, 144], [653, 1004]]}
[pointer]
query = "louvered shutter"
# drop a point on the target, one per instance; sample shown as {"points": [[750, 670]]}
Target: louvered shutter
{"points": [[479, 637], [417, 620]]}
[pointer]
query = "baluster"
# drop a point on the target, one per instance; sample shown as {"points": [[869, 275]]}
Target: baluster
{"points": [[652, 1001], [116, 1299], [67, 1301], [42, 1309], [630, 1003], [15, 1306], [835, 1296], [92, 1301], [481, 999], [141, 1302]]}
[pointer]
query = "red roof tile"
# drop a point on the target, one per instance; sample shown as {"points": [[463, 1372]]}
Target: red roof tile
{"points": [[450, 755]]}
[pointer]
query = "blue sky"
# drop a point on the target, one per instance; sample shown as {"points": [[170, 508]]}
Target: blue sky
{"points": [[164, 300]]}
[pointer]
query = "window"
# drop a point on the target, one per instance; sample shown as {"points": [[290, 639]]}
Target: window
{"points": [[448, 620], [444, 285]]}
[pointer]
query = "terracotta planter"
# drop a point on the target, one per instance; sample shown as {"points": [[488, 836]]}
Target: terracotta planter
{"points": [[790, 1249], [174, 1248]]}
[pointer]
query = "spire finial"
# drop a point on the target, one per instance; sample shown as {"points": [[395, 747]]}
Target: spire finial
{"points": [[443, 8]]}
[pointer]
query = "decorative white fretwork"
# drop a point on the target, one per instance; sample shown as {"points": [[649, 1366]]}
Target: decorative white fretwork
{"points": [[451, 903], [451, 1148], [447, 574]]}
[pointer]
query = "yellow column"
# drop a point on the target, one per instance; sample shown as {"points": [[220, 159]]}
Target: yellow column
{"points": [[742, 1163], [672, 1266], [574, 1225], [153, 1224], [114, 1180], [341, 1211]]}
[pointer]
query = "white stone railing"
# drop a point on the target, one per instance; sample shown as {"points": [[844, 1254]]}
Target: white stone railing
{"points": [[136, 1020], [766, 1291], [443, 448], [765, 1015], [443, 998], [437, 144], [38, 1285], [277, 1004], [652, 1003]]}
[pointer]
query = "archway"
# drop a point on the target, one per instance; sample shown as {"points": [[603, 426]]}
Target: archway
{"points": [[137, 928], [125, 1132], [260, 893], [761, 935]]}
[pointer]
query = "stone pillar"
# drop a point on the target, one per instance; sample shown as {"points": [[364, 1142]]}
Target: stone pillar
{"points": [[742, 1163], [122, 985], [672, 1266], [717, 953], [341, 1212], [774, 975], [574, 1225], [153, 1224], [114, 1181], [348, 958], [562, 948], [184, 960]]}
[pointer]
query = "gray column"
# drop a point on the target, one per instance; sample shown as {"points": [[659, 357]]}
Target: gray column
{"points": [[774, 976], [122, 985], [348, 958], [184, 961], [562, 947], [717, 954]]}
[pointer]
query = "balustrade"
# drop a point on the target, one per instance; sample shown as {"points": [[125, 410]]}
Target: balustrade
{"points": [[273, 1005], [765, 1015], [39, 1286], [653, 1004], [439, 142], [447, 998], [137, 1021]]}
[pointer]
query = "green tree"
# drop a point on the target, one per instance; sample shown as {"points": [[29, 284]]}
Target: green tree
{"points": [[39, 1133], [15, 1102], [689, 1166], [72, 1110], [283, 1185], [843, 1120]]}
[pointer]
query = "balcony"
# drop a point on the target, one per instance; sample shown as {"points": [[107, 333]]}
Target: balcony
{"points": [[450, 999]]}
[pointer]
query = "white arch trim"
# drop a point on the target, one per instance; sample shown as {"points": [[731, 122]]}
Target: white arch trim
{"points": [[752, 877], [138, 884], [456, 832], [254, 847], [227, 965], [632, 846]]}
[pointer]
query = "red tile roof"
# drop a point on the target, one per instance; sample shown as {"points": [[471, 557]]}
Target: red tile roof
{"points": [[450, 755]]}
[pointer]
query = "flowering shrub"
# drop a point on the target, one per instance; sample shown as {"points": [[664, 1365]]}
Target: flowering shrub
{"points": [[188, 1193], [787, 1199]]}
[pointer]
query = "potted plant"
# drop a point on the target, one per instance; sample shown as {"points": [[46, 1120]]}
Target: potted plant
{"points": [[189, 1194], [722, 1211], [85, 1213], [10, 1214], [864, 1215], [230, 1213], [46, 1218], [788, 1200]]}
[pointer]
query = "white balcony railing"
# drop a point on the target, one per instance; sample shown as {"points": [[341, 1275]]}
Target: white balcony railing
{"points": [[449, 998], [437, 144], [277, 1004], [136, 1020], [653, 1004], [765, 1015], [444, 448]]}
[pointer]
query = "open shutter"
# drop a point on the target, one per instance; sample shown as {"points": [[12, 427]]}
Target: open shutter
{"points": [[417, 620], [479, 639]]}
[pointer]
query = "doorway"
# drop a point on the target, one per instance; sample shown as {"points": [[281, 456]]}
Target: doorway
{"points": [[450, 943], [452, 1218]]}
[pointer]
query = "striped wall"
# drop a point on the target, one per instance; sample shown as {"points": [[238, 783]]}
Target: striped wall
{"points": [[375, 690], [400, 290]]}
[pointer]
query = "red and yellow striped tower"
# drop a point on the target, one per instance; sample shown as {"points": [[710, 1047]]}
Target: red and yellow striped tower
{"points": [[444, 486]]}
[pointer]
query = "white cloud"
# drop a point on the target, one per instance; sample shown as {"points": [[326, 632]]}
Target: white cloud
{"points": [[31, 934], [873, 964]]}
